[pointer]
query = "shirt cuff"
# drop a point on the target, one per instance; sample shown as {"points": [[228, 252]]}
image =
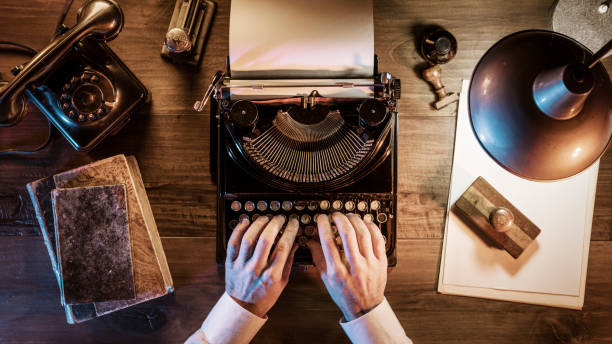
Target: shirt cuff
{"points": [[379, 325], [228, 322]]}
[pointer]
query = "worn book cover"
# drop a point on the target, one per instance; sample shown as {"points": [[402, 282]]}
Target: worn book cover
{"points": [[40, 195], [93, 243], [151, 274]]}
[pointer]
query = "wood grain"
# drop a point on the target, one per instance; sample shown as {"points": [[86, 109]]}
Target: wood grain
{"points": [[304, 313]]}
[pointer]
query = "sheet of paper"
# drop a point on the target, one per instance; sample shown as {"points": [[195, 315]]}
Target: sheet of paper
{"points": [[555, 263], [301, 39]]}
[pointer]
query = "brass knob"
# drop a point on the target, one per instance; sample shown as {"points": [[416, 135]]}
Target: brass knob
{"points": [[501, 219]]}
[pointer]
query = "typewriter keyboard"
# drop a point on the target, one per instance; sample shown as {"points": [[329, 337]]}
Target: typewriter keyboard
{"points": [[379, 210]]}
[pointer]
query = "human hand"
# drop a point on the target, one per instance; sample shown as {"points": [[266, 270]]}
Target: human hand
{"points": [[253, 277], [356, 284]]}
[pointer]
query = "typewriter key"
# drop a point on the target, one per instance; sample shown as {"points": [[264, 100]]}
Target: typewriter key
{"points": [[232, 224], [275, 205], [382, 217], [262, 205], [299, 206], [362, 206], [324, 204], [375, 205], [368, 218], [312, 206], [294, 217], [299, 232], [305, 219], [249, 206], [349, 205], [287, 205], [255, 217], [236, 206], [337, 205], [243, 217]]}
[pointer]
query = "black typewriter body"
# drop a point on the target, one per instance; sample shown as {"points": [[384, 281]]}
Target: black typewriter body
{"points": [[301, 161]]}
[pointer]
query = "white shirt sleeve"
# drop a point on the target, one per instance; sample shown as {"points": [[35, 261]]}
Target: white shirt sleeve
{"points": [[379, 325], [227, 322]]}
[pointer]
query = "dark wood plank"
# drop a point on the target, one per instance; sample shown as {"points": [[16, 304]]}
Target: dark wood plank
{"points": [[172, 152], [304, 313]]}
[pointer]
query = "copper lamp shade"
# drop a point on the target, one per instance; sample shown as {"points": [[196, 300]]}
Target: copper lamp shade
{"points": [[538, 109]]}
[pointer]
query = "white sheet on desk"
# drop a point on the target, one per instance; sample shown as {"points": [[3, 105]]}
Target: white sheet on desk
{"points": [[552, 264]]}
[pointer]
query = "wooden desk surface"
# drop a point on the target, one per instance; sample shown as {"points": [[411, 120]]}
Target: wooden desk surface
{"points": [[171, 145]]}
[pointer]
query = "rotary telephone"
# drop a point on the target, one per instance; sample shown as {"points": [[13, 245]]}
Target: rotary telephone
{"points": [[77, 81]]}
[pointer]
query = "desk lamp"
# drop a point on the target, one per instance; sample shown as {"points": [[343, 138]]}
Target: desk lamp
{"points": [[540, 104]]}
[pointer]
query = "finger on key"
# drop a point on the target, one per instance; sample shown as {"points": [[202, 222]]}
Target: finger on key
{"points": [[283, 248], [233, 244], [349, 239], [328, 245], [265, 241], [364, 239], [249, 239], [378, 241]]}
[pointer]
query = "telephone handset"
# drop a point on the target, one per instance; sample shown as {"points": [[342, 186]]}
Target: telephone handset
{"points": [[78, 82]]}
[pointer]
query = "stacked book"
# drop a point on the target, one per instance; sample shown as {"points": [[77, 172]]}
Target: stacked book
{"points": [[101, 236]]}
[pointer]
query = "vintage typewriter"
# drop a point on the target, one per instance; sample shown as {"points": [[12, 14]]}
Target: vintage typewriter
{"points": [[301, 147]]}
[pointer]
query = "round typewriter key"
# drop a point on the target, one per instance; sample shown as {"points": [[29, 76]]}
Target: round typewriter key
{"points": [[249, 206], [244, 113], [82, 118], [294, 217], [287, 205], [375, 205], [381, 217], [310, 231], [324, 204], [337, 205], [368, 218], [275, 205], [305, 219], [72, 114], [255, 217], [300, 231], [232, 224], [236, 206], [262, 205], [269, 216], [299, 206], [312, 206], [349, 205], [362, 206], [243, 217]]}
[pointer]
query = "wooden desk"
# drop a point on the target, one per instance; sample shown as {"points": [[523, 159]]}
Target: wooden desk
{"points": [[171, 145]]}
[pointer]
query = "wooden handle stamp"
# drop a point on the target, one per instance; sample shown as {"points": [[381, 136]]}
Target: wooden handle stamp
{"points": [[484, 210]]}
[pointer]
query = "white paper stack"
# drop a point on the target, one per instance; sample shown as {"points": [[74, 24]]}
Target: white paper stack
{"points": [[552, 270]]}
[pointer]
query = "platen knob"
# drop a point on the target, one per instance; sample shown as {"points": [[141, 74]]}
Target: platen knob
{"points": [[244, 114], [372, 113]]}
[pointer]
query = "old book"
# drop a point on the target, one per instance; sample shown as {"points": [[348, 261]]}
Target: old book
{"points": [[93, 243], [40, 195], [151, 274]]}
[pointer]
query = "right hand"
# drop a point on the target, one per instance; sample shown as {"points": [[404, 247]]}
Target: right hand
{"points": [[357, 283]]}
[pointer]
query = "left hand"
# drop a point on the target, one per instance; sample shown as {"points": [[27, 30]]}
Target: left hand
{"points": [[253, 277]]}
